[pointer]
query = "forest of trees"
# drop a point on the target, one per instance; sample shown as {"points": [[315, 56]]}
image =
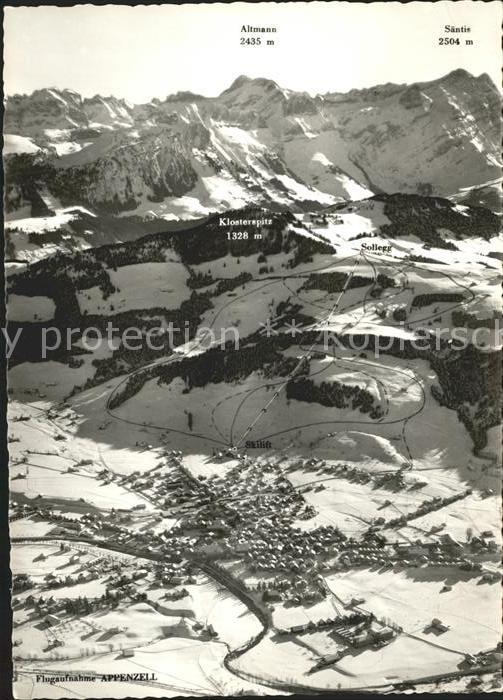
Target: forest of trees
{"points": [[416, 215], [333, 394], [426, 299]]}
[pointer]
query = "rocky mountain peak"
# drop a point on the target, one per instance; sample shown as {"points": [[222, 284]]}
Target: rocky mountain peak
{"points": [[184, 96], [239, 82], [259, 142]]}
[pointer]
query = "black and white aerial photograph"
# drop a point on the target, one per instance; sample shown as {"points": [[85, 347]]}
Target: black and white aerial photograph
{"points": [[253, 287]]}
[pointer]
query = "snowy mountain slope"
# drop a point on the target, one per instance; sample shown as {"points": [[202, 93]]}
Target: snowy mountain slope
{"points": [[445, 132], [52, 108], [70, 229], [487, 195], [254, 143], [412, 222]]}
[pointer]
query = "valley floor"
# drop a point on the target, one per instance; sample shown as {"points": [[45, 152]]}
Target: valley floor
{"points": [[231, 537]]}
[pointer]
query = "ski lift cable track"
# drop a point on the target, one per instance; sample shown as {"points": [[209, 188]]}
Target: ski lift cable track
{"points": [[304, 356]]}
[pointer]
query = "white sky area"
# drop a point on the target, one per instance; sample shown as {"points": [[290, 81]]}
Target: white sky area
{"points": [[151, 51]]}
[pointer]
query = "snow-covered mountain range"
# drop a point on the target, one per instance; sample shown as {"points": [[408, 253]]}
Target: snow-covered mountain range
{"points": [[256, 143]]}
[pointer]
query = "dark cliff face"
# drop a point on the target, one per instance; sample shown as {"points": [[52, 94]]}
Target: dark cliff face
{"points": [[411, 98]]}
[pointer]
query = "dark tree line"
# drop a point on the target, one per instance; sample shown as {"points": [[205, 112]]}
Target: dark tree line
{"points": [[334, 395], [416, 215]]}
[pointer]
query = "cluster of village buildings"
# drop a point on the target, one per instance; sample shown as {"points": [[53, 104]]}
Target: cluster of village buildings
{"points": [[248, 512]]}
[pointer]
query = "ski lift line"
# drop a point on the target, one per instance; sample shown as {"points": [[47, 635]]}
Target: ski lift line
{"points": [[300, 362], [184, 354], [248, 393]]}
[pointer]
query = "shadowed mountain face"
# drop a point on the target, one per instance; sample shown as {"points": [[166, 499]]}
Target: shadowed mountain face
{"points": [[256, 143]]}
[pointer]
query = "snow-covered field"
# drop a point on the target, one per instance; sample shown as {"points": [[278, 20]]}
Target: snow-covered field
{"points": [[13, 143], [30, 309], [181, 666], [229, 617], [413, 597], [50, 451], [39, 224], [142, 286]]}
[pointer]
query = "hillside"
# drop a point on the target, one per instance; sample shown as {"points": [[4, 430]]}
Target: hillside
{"points": [[211, 286]]}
